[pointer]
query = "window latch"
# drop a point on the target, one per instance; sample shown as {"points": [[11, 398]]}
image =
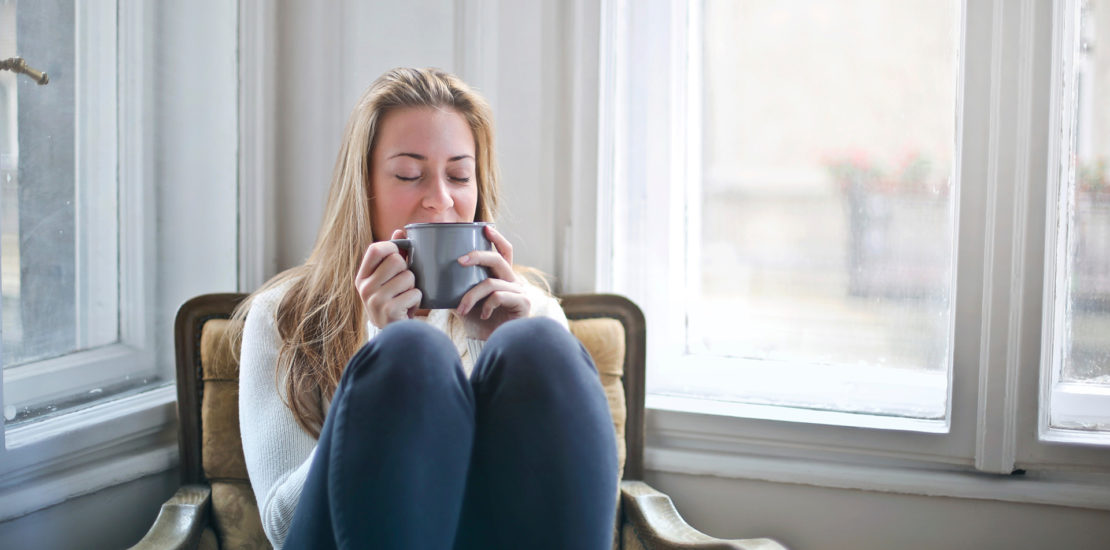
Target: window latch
{"points": [[18, 65]]}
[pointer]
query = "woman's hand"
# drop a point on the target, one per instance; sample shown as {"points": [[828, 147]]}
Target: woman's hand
{"points": [[385, 284], [498, 299]]}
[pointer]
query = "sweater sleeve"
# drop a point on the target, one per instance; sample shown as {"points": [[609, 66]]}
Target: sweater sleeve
{"points": [[278, 451]]}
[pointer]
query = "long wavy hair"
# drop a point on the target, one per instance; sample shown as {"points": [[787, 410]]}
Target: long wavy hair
{"points": [[321, 319]]}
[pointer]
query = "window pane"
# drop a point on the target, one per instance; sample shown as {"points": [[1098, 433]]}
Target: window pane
{"points": [[58, 272], [1088, 325], [826, 207], [1081, 391]]}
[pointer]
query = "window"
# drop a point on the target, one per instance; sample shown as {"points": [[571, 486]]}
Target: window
{"points": [[119, 202], [59, 247], [834, 217]]}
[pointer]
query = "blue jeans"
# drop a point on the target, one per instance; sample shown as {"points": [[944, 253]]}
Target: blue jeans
{"points": [[413, 455]]}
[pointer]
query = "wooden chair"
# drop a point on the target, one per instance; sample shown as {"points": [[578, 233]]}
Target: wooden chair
{"points": [[215, 507]]}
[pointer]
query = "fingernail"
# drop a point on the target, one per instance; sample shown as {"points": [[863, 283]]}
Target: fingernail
{"points": [[465, 259]]}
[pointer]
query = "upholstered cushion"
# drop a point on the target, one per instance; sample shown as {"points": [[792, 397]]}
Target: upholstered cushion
{"points": [[235, 514], [216, 355], [604, 339], [208, 540], [221, 445]]}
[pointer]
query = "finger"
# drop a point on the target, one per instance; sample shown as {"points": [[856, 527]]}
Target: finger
{"points": [[408, 302], [395, 308], [498, 266], [399, 284], [377, 290], [503, 246], [381, 287], [483, 289], [390, 266], [373, 256], [516, 305]]}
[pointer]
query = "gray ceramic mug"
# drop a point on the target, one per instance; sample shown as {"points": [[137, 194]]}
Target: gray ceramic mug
{"points": [[434, 250]]}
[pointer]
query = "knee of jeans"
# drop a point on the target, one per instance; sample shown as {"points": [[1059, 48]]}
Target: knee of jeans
{"points": [[408, 349], [538, 341]]}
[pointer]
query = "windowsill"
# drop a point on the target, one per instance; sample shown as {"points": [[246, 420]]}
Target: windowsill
{"points": [[701, 443], [791, 414], [103, 445], [867, 396]]}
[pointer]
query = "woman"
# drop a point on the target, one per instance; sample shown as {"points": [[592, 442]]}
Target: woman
{"points": [[367, 422]]}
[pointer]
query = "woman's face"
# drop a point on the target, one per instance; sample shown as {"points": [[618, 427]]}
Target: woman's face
{"points": [[422, 169]]}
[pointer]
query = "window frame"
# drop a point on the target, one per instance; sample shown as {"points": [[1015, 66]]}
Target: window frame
{"points": [[1003, 115]]}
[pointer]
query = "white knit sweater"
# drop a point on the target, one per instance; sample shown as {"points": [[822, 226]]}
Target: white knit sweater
{"points": [[277, 451]]}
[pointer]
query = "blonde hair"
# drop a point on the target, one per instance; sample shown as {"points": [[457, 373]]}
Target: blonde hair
{"points": [[321, 318]]}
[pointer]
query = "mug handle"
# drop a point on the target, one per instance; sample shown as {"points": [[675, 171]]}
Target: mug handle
{"points": [[406, 245]]}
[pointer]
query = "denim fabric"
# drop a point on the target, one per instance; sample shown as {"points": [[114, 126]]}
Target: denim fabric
{"points": [[413, 455]]}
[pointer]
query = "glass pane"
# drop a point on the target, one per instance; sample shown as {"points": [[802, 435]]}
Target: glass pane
{"points": [[827, 197], [38, 218], [58, 185], [1087, 323]]}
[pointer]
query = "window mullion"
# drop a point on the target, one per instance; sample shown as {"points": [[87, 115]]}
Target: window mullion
{"points": [[136, 173], [96, 251], [1002, 355]]}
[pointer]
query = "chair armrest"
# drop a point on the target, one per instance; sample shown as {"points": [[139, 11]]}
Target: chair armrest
{"points": [[181, 520], [658, 525]]}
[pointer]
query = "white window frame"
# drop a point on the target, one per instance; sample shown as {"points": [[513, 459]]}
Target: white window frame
{"points": [[995, 385]]}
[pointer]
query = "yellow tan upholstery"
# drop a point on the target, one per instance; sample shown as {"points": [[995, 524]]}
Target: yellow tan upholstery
{"points": [[234, 509], [208, 540], [221, 447], [604, 339], [236, 516], [629, 539]]}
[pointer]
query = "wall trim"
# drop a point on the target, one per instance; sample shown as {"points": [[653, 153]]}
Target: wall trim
{"points": [[1028, 489], [476, 46], [104, 445], [577, 231], [257, 129]]}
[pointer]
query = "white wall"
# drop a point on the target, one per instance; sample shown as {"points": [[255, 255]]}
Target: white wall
{"points": [[327, 57], [116, 517]]}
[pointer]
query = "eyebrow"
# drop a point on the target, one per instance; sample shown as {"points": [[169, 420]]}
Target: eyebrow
{"points": [[422, 157]]}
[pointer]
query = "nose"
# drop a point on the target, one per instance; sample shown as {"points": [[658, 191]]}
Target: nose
{"points": [[438, 196]]}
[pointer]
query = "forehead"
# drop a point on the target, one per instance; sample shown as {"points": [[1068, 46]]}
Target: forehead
{"points": [[425, 131]]}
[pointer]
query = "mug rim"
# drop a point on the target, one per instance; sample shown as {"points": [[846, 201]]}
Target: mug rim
{"points": [[442, 224]]}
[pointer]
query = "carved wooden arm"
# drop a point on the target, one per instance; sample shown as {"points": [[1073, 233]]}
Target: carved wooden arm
{"points": [[181, 520], [658, 526]]}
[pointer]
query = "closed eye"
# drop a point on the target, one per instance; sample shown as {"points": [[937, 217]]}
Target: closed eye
{"points": [[459, 180], [402, 178]]}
